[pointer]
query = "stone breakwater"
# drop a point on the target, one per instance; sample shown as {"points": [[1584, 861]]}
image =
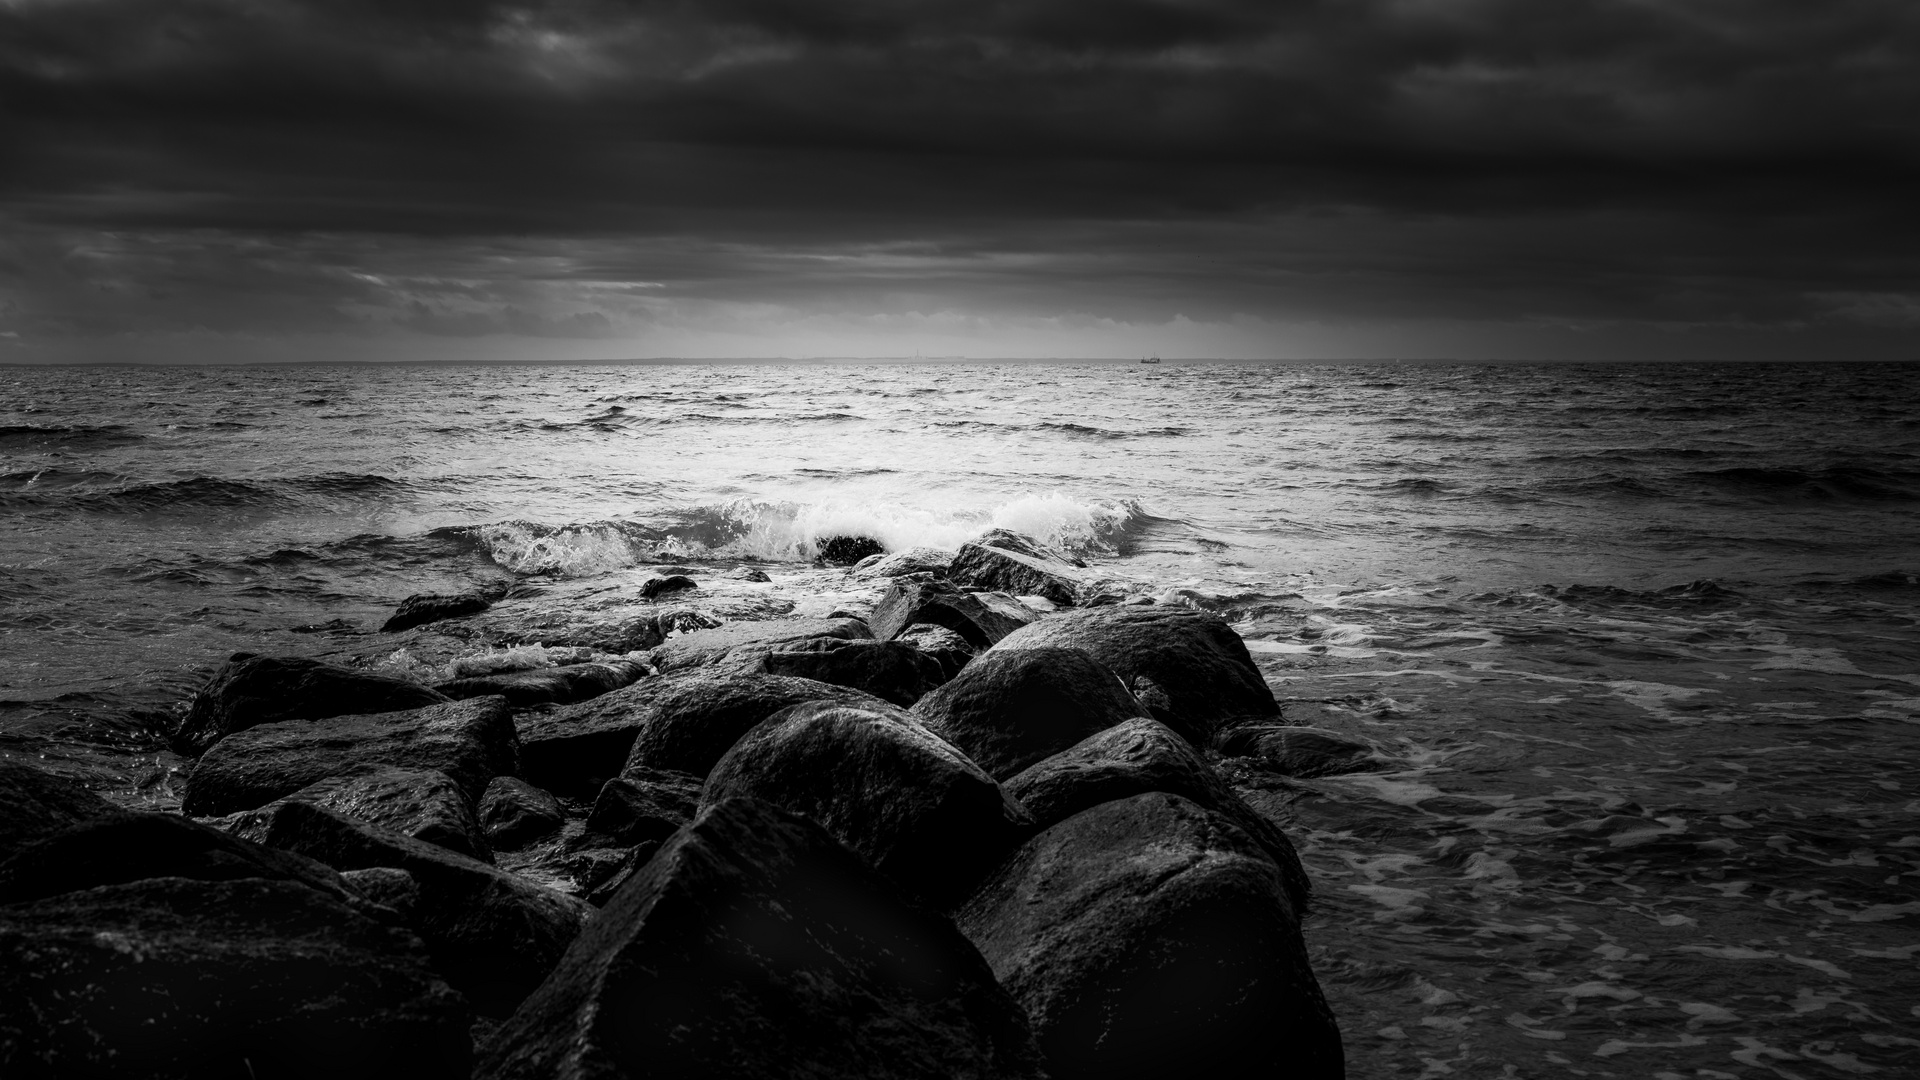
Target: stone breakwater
{"points": [[971, 828]]}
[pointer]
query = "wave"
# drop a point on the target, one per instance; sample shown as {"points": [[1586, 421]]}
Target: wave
{"points": [[25, 436], [76, 491], [1851, 481]]}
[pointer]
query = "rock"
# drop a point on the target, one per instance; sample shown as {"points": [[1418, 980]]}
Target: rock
{"points": [[1008, 710], [748, 640], [753, 946], [130, 847], [919, 560], [1145, 755], [515, 813], [422, 608], [471, 741], [659, 586], [250, 690], [845, 550], [35, 804], [644, 805], [891, 670], [899, 796], [987, 566], [388, 886], [1202, 668], [561, 685], [173, 977], [1026, 545], [492, 935], [951, 651], [422, 803], [1150, 938], [967, 614], [748, 573], [1299, 751]]}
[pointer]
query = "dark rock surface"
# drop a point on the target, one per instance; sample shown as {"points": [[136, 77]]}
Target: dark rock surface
{"points": [[1010, 709], [903, 799], [919, 560], [990, 566], [908, 602], [1137, 757], [422, 608], [471, 741], [35, 804], [562, 685], [890, 670], [1300, 751], [951, 651], [388, 886], [1150, 938], [515, 813], [425, 804], [747, 640], [643, 805], [846, 550], [748, 573], [1198, 662], [1023, 544], [754, 946], [174, 977], [660, 586], [249, 690], [492, 935]]}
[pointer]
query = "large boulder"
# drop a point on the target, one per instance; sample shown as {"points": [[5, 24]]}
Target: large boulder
{"points": [[643, 805], [1004, 568], [1007, 710], [1300, 751], [1149, 938], [1136, 757], [173, 977], [951, 651], [516, 813], [899, 796], [746, 642], [471, 741], [1191, 661], [681, 722], [35, 804], [425, 804], [493, 935], [249, 690], [561, 685], [422, 608], [928, 601], [753, 946], [919, 560], [891, 670]]}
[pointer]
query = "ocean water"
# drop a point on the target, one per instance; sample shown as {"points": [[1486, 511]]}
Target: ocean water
{"points": [[1638, 646]]}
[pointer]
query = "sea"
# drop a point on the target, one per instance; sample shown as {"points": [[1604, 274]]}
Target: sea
{"points": [[1637, 646]]}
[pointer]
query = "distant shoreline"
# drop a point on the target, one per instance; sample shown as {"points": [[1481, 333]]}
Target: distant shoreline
{"points": [[931, 361]]}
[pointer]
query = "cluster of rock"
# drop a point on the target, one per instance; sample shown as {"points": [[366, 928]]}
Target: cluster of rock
{"points": [[956, 837]]}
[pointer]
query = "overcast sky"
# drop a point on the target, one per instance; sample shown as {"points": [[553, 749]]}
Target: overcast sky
{"points": [[372, 179]]}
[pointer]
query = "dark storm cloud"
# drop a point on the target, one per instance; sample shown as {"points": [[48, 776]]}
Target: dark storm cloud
{"points": [[1703, 160]]}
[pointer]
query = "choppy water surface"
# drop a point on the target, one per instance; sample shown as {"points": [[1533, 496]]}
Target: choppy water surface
{"points": [[1639, 644]]}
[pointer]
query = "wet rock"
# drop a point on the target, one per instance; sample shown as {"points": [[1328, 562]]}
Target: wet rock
{"points": [[492, 935], [173, 977], [845, 550], [1202, 668], [250, 690], [681, 722], [1008, 710], [1299, 751], [891, 670], [35, 804], [635, 860], [899, 796], [919, 560], [951, 651], [471, 741], [993, 566], [748, 641], [422, 608], [967, 614], [643, 805], [1149, 938], [660, 586], [425, 804], [1137, 757], [388, 886], [561, 685], [754, 946], [515, 813], [748, 573], [130, 847]]}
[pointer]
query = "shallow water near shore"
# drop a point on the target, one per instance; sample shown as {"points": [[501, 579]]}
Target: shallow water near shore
{"points": [[1639, 646]]}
